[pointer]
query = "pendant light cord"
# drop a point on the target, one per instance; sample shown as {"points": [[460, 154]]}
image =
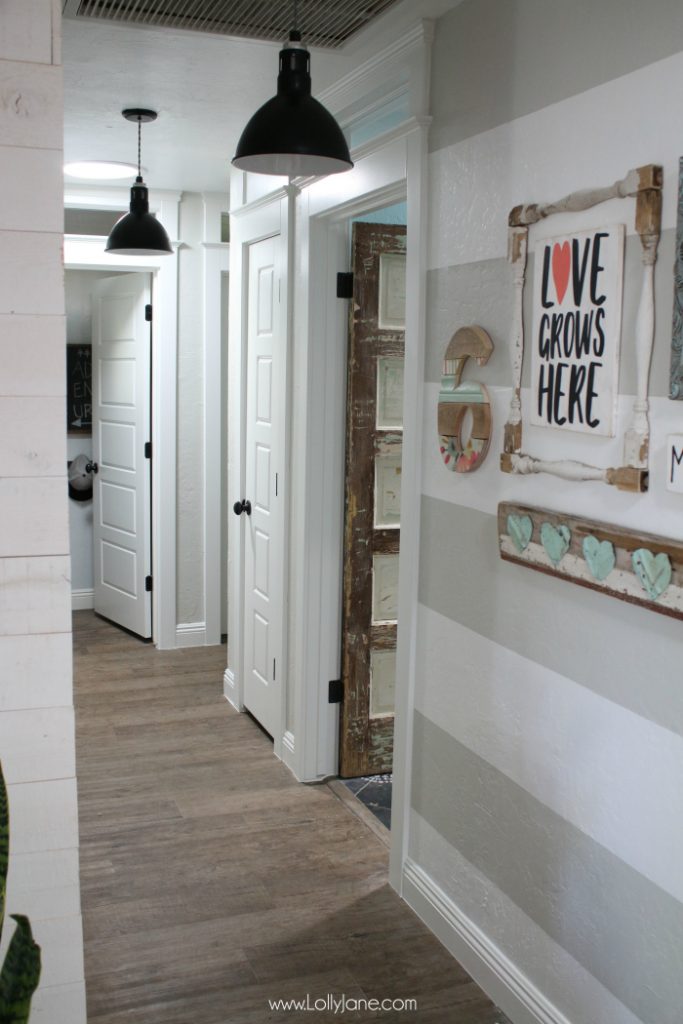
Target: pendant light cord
{"points": [[296, 26], [139, 148]]}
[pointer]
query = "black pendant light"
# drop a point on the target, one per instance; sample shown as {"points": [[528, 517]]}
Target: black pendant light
{"points": [[293, 133], [138, 232]]}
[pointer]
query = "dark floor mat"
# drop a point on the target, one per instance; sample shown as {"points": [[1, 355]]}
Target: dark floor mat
{"points": [[375, 792]]}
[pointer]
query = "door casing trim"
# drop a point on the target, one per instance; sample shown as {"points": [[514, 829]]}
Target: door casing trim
{"points": [[263, 221], [85, 252]]}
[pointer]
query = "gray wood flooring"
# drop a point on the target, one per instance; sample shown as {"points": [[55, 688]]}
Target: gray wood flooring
{"points": [[212, 881]]}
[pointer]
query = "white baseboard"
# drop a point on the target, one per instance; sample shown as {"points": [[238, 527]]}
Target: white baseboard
{"points": [[230, 689], [493, 971], [190, 634], [288, 752], [81, 600]]}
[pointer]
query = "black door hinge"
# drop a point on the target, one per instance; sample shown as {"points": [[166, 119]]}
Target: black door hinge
{"points": [[344, 286], [148, 312], [148, 449], [335, 692], [148, 583]]}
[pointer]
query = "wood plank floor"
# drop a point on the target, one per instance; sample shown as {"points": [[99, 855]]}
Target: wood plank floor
{"points": [[212, 881]]}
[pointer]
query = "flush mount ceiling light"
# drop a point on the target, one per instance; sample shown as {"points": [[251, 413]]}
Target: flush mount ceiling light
{"points": [[293, 133], [100, 170], [138, 232]]}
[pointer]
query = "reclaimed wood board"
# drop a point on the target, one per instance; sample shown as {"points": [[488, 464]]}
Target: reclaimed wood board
{"points": [[676, 391], [637, 567]]}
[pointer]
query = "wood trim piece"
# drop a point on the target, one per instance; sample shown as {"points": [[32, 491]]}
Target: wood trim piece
{"points": [[676, 382], [634, 566]]}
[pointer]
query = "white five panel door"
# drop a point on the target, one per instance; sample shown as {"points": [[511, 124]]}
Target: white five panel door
{"points": [[262, 530], [122, 537]]}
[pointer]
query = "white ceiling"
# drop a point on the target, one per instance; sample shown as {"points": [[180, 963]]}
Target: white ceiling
{"points": [[204, 87]]}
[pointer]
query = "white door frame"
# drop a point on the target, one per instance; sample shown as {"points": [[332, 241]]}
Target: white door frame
{"points": [[216, 266], [86, 252], [391, 166], [251, 223], [397, 158], [132, 609], [390, 171]]}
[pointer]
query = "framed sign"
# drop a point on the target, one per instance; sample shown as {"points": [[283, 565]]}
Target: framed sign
{"points": [[565, 284], [79, 389], [578, 284]]}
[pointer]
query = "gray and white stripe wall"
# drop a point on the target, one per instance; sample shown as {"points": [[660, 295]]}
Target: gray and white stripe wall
{"points": [[547, 793]]}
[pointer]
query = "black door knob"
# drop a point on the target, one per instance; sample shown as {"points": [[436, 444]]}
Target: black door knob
{"points": [[242, 506], [92, 467]]}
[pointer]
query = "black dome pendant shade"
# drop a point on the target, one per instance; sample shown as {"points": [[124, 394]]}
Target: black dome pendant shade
{"points": [[293, 133], [138, 232]]}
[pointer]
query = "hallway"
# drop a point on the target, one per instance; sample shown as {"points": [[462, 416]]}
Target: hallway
{"points": [[212, 882]]}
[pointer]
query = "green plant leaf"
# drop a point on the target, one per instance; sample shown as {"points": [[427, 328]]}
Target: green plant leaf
{"points": [[4, 846], [20, 974]]}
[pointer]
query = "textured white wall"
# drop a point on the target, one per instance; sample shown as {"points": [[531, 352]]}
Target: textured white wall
{"points": [[36, 704]]}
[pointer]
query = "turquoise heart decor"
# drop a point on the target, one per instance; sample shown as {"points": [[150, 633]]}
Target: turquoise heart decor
{"points": [[653, 571], [520, 529], [555, 540], [600, 556]]}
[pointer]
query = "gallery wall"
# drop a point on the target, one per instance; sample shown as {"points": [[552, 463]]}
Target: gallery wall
{"points": [[548, 752], [36, 702]]}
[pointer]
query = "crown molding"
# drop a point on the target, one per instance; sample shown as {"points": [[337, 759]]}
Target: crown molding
{"points": [[357, 84]]}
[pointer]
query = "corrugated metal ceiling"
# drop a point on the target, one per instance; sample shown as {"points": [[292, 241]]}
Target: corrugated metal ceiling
{"points": [[327, 23]]}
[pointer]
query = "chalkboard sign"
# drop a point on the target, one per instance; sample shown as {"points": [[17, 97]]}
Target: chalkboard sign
{"points": [[79, 389]]}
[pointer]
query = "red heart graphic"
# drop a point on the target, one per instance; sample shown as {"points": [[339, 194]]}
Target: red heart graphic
{"points": [[561, 267]]}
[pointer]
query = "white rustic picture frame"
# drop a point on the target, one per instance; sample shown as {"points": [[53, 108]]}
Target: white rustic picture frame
{"points": [[645, 184]]}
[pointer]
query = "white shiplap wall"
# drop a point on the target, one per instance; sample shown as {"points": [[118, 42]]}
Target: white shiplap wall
{"points": [[36, 702]]}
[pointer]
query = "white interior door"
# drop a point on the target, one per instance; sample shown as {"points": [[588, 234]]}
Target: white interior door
{"points": [[122, 538], [262, 528]]}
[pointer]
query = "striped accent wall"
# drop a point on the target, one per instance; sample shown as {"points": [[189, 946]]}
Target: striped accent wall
{"points": [[547, 805]]}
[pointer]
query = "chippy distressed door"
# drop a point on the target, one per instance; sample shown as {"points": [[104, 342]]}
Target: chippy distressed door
{"points": [[261, 509], [373, 498], [122, 538]]}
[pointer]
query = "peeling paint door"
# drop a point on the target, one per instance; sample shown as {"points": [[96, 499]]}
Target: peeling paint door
{"points": [[374, 437]]}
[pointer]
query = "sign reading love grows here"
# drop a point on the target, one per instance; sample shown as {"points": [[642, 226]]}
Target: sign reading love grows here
{"points": [[578, 282]]}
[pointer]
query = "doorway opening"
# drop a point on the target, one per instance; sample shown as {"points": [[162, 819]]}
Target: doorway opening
{"points": [[372, 514], [109, 444]]}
